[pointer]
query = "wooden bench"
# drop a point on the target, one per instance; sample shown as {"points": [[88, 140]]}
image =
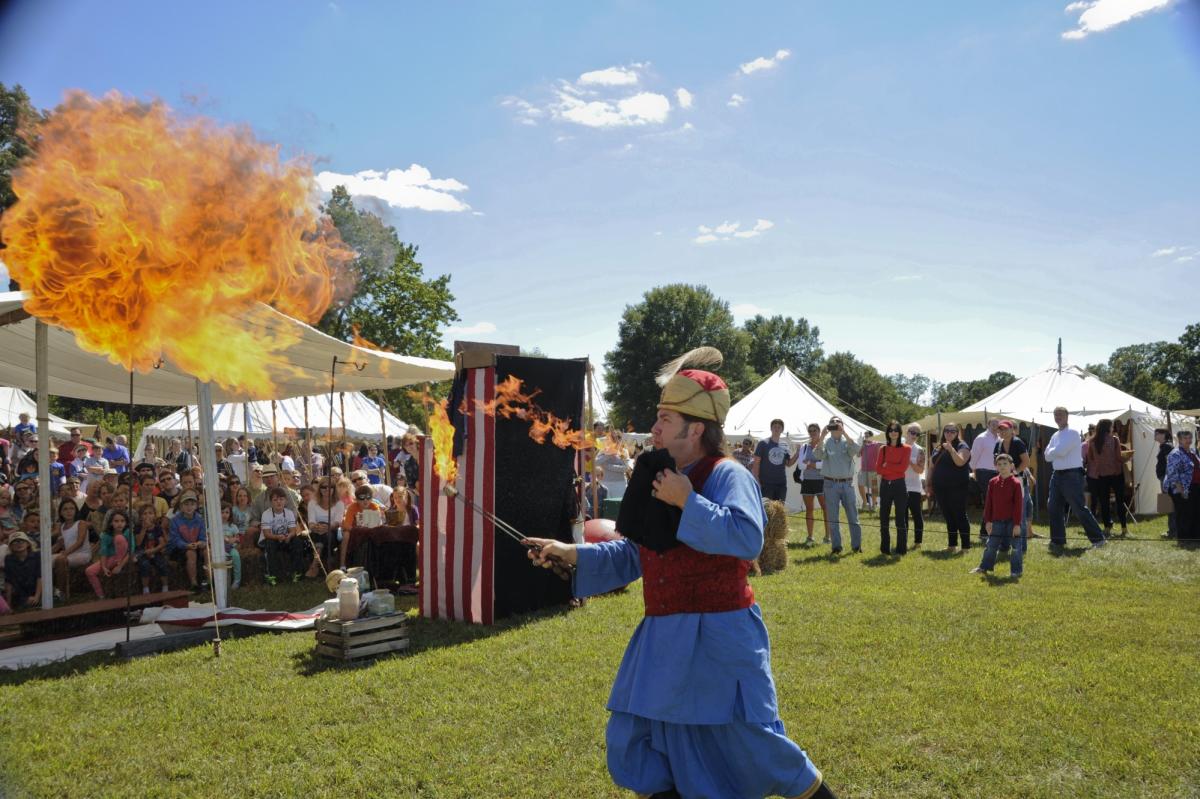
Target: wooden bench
{"points": [[98, 613]]}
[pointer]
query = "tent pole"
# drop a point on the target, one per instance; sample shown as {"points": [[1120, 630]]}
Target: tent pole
{"points": [[41, 345], [308, 445], [387, 460], [212, 498], [329, 464], [592, 420], [342, 401], [274, 428], [187, 415]]}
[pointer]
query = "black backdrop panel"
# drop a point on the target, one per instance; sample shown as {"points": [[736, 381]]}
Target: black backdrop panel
{"points": [[534, 483]]}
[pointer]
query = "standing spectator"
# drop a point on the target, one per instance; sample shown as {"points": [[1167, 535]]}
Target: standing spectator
{"points": [[22, 573], [983, 466], [1064, 453], [149, 545], [744, 454], [812, 487], [374, 465], [222, 465], [613, 459], [178, 458], [66, 450], [287, 459], [1182, 482], [951, 478], [187, 537], [914, 482], [1016, 449], [409, 462], [1106, 466], [866, 471], [381, 492], [116, 547], [117, 454], [1162, 437], [772, 459], [837, 470], [1002, 515], [23, 427], [892, 464]]}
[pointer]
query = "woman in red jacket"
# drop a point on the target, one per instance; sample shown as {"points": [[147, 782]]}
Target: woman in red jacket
{"points": [[892, 464]]}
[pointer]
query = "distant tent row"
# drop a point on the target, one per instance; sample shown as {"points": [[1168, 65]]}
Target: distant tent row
{"points": [[1088, 399], [254, 419]]}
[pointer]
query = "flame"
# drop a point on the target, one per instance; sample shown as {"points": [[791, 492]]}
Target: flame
{"points": [[442, 433], [366, 344], [512, 401], [153, 236]]}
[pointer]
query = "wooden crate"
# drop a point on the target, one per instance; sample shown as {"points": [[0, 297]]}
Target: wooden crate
{"points": [[362, 638]]}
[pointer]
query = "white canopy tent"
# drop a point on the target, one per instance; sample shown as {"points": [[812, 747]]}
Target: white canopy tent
{"points": [[254, 419], [785, 396], [1088, 399], [48, 360], [14, 402]]}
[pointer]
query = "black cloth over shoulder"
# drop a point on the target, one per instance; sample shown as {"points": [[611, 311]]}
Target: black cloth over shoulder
{"points": [[642, 518]]}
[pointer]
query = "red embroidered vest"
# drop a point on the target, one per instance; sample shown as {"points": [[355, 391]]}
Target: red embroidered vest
{"points": [[683, 580]]}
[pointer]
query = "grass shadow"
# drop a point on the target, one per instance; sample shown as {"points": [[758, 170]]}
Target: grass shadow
{"points": [[1068, 552], [1000, 581], [875, 561], [941, 554], [819, 557]]}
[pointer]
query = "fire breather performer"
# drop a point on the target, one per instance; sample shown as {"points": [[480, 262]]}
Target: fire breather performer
{"points": [[693, 708]]}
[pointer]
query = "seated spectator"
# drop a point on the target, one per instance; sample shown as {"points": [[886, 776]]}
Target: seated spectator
{"points": [[239, 512], [324, 514], [70, 490], [116, 547], [147, 498], [233, 537], [279, 535], [149, 458], [150, 544], [187, 537], [168, 488], [9, 521], [364, 500], [72, 550], [402, 507], [262, 502], [381, 491], [22, 573]]}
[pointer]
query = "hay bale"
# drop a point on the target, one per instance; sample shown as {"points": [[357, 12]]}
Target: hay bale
{"points": [[774, 555]]}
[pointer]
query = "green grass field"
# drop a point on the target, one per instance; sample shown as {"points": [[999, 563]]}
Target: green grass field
{"points": [[902, 677]]}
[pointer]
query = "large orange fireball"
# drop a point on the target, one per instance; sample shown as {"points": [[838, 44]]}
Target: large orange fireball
{"points": [[150, 235]]}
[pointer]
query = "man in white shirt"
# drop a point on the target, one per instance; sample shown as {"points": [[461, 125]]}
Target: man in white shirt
{"points": [[1064, 453], [382, 492], [983, 464]]}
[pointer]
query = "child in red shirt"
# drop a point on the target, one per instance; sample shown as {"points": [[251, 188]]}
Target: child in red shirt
{"points": [[1002, 514]]}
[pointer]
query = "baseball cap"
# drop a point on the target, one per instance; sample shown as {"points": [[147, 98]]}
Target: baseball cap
{"points": [[188, 495], [1006, 425], [269, 469]]}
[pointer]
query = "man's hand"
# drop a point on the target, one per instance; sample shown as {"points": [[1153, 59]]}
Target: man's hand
{"points": [[549, 550], [988, 527], [672, 488]]}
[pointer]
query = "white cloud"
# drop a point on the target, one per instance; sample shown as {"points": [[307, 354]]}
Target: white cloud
{"points": [[527, 112], [684, 98], [1165, 251], [745, 310], [642, 108], [414, 187], [727, 231], [761, 63], [613, 76], [480, 328], [1183, 259], [735, 101], [1100, 15], [905, 278]]}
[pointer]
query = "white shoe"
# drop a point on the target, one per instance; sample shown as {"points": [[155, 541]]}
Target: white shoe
{"points": [[235, 585], [146, 590], [58, 595]]}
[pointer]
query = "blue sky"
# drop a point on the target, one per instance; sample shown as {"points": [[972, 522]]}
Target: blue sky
{"points": [[940, 187]]}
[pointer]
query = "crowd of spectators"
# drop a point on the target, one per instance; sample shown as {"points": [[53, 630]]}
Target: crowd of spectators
{"points": [[119, 519]]}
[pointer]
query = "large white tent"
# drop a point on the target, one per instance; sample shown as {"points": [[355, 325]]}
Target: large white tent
{"points": [[1088, 399], [256, 419], [14, 402], [48, 360], [785, 396]]}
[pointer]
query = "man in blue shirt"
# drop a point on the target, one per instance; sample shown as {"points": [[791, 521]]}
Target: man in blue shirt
{"points": [[117, 454], [23, 427], [772, 459]]}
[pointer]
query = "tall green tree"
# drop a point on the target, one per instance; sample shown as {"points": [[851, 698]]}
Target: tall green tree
{"points": [[1147, 371], [782, 341], [18, 118], [669, 321], [860, 391], [385, 295], [1187, 369], [913, 388], [961, 393]]}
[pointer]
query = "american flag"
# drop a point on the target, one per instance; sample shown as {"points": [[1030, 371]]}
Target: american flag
{"points": [[457, 542]]}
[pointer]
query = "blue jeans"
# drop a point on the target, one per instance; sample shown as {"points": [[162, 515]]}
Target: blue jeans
{"points": [[1066, 490], [842, 494], [1002, 532]]}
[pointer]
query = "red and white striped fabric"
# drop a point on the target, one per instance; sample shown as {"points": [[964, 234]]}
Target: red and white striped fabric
{"points": [[457, 542]]}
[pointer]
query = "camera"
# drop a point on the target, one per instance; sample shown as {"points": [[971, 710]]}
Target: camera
{"points": [[833, 426]]}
